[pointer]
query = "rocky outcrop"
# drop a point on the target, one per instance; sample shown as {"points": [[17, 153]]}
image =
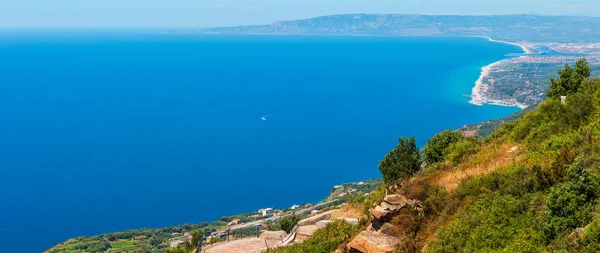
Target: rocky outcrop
{"points": [[396, 199], [305, 232], [323, 223], [373, 242], [313, 220], [352, 221], [382, 214], [379, 235]]}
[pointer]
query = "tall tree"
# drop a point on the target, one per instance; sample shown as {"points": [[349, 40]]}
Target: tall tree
{"points": [[569, 79], [401, 162], [196, 237]]}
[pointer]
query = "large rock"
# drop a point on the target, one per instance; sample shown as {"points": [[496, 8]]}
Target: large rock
{"points": [[390, 207], [372, 242], [352, 221], [273, 235], [323, 223], [313, 220], [382, 214], [305, 232], [396, 199]]}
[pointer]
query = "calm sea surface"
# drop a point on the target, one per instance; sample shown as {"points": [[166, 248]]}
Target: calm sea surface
{"points": [[105, 131]]}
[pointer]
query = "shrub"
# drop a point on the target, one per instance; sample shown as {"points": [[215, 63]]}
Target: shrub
{"points": [[287, 223], [403, 161], [459, 150], [436, 148], [323, 241], [577, 110], [492, 223], [568, 205]]}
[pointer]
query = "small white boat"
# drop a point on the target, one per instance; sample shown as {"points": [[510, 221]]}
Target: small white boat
{"points": [[263, 118]]}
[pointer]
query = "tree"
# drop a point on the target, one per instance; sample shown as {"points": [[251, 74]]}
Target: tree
{"points": [[570, 79], [196, 237], [288, 223], [436, 148], [401, 162]]}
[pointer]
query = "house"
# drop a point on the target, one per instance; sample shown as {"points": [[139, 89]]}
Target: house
{"points": [[313, 212], [294, 207], [265, 212], [234, 222]]}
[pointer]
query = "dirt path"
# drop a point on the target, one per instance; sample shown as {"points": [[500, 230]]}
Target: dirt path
{"points": [[250, 245]]}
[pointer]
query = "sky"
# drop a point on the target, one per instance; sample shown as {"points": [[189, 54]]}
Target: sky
{"points": [[211, 13]]}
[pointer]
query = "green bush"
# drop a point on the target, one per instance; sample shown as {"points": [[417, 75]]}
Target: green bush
{"points": [[323, 241], [403, 161], [286, 224], [494, 222], [568, 205], [459, 150], [436, 149]]}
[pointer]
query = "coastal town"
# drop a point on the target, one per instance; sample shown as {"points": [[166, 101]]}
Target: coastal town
{"points": [[522, 81], [248, 231]]}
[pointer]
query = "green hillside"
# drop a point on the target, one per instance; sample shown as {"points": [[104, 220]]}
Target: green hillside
{"points": [[532, 186]]}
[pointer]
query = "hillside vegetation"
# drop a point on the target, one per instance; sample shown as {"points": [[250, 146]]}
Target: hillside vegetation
{"points": [[532, 186]]}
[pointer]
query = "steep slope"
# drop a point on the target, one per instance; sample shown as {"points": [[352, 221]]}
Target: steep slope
{"points": [[532, 186]]}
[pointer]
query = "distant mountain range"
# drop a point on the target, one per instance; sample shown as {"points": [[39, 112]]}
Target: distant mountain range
{"points": [[532, 28]]}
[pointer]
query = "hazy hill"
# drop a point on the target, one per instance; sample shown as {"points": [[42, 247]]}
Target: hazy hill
{"points": [[506, 27]]}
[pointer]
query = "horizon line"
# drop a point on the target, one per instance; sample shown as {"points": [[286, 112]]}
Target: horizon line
{"points": [[283, 20]]}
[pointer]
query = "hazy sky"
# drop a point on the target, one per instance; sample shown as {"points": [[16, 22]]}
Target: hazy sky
{"points": [[204, 13]]}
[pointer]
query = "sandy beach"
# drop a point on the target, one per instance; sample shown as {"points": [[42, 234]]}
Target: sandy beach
{"points": [[478, 94], [525, 49]]}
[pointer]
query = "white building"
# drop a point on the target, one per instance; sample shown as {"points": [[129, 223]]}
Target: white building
{"points": [[265, 212]]}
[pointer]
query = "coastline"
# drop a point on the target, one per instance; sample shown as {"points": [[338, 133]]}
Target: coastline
{"points": [[480, 89], [525, 49]]}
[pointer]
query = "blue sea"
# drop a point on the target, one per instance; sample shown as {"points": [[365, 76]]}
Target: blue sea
{"points": [[105, 130]]}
